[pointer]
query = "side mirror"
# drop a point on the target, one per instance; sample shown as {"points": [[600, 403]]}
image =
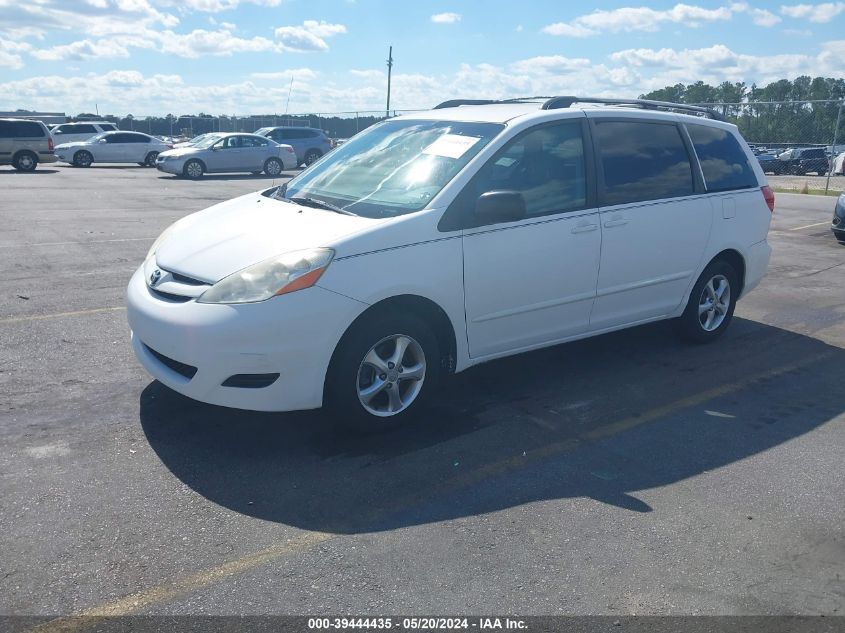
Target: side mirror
{"points": [[103, 140], [214, 148], [500, 206]]}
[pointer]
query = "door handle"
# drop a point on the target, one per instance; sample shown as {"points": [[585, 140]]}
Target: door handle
{"points": [[616, 222], [584, 228]]}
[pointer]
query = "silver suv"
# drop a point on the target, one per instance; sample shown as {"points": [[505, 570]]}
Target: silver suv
{"points": [[309, 143], [24, 144]]}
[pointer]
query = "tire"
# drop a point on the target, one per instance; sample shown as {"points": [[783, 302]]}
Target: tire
{"points": [[83, 158], [193, 169], [312, 156], [273, 167], [396, 399], [25, 161], [695, 323], [150, 160]]}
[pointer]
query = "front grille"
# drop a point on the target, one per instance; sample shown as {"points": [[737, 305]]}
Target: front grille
{"points": [[250, 381], [188, 281], [182, 369], [170, 296]]}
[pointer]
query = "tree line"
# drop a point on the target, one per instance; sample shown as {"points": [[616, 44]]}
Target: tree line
{"points": [[779, 112]]}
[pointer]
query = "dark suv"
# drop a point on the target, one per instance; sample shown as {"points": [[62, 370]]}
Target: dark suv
{"points": [[800, 161], [309, 143], [24, 144]]}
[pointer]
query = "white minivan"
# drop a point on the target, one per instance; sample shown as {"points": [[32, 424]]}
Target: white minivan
{"points": [[82, 131], [439, 240]]}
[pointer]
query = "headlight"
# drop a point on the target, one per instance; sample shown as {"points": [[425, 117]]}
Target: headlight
{"points": [[275, 276]]}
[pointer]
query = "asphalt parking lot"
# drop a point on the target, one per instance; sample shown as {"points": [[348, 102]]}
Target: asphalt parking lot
{"points": [[630, 473]]}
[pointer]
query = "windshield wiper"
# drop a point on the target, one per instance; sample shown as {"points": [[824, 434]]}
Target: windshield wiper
{"points": [[319, 204]]}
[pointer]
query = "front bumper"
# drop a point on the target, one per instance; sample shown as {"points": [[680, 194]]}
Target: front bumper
{"points": [[293, 335], [170, 166]]}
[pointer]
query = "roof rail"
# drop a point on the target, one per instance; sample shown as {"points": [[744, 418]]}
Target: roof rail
{"points": [[565, 102], [454, 103]]}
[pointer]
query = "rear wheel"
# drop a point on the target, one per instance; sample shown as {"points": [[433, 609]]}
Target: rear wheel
{"points": [[382, 372], [312, 156], [83, 158], [25, 161], [193, 169], [273, 167], [711, 303], [150, 160]]}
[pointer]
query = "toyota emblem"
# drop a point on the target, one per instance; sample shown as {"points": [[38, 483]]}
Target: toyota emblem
{"points": [[155, 277]]}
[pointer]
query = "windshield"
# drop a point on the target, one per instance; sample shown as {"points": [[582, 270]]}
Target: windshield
{"points": [[206, 142], [394, 167]]}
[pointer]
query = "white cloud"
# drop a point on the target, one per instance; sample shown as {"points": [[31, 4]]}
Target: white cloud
{"points": [[446, 18], [636, 19], [10, 53], [299, 74], [200, 42], [760, 17], [82, 50], [823, 12], [215, 6], [311, 36]]}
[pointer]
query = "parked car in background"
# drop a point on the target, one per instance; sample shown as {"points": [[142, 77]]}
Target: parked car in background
{"points": [[838, 224], [436, 241], [73, 132], [768, 161], [309, 143], [24, 144], [838, 165], [802, 160], [228, 152], [113, 147]]}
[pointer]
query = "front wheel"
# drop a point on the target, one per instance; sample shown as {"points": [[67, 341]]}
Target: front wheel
{"points": [[193, 169], [25, 161], [711, 303], [382, 373], [273, 167], [83, 158]]}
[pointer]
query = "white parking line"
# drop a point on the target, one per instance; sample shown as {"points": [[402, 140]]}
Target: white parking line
{"points": [[126, 239], [59, 315], [807, 226]]}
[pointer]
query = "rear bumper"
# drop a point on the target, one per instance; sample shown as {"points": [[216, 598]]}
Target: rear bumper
{"points": [[47, 157], [756, 264]]}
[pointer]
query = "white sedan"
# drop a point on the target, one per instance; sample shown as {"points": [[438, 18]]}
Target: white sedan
{"points": [[113, 147]]}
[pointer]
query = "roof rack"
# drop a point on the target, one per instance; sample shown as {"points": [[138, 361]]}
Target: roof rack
{"points": [[454, 103], [565, 102]]}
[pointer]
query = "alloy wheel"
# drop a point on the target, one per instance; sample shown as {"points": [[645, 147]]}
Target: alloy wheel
{"points": [[714, 303], [391, 375]]}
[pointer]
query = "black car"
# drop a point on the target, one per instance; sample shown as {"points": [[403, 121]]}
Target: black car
{"points": [[800, 161], [838, 225]]}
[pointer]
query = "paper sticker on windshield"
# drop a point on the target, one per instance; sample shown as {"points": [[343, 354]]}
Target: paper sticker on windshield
{"points": [[451, 145]]}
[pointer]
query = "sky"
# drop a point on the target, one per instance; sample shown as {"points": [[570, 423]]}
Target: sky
{"points": [[154, 57]]}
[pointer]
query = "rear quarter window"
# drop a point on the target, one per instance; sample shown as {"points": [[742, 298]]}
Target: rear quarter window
{"points": [[723, 162]]}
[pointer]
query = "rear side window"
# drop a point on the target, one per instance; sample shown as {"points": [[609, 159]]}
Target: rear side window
{"points": [[108, 127], [813, 153], [724, 164], [21, 129], [84, 128], [642, 161]]}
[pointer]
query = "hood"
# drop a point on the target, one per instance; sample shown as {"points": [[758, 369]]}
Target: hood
{"points": [[179, 151], [228, 237]]}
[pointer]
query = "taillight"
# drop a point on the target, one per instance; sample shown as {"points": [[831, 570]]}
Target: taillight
{"points": [[769, 195], [50, 145], [290, 150]]}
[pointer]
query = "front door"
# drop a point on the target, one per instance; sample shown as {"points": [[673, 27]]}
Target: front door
{"points": [[532, 281]]}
